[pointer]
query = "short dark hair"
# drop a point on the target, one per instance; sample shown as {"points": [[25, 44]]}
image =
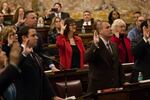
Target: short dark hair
{"points": [[28, 12], [68, 21], [144, 23], [57, 3], [87, 11], [24, 31], [110, 19], [137, 12]]}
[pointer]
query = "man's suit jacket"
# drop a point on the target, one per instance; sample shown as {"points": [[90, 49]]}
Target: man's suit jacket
{"points": [[141, 52], [64, 15], [32, 83], [39, 48], [80, 24], [104, 69]]}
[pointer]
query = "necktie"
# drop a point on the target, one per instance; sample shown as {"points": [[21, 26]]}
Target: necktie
{"points": [[108, 48], [36, 58]]}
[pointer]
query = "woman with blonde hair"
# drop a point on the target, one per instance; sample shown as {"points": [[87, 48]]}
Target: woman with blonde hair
{"points": [[123, 43], [9, 36], [55, 28]]}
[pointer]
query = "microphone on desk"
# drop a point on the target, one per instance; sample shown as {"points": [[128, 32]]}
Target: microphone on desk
{"points": [[60, 65], [57, 62]]}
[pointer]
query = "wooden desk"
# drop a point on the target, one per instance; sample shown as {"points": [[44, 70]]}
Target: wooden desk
{"points": [[8, 19], [136, 91], [86, 38], [67, 75], [44, 33], [81, 75]]}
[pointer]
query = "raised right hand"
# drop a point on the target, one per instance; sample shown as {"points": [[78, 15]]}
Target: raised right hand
{"points": [[95, 38], [15, 53], [146, 33], [63, 27], [27, 48]]}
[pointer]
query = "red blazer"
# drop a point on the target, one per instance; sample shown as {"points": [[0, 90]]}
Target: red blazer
{"points": [[121, 49], [65, 51]]}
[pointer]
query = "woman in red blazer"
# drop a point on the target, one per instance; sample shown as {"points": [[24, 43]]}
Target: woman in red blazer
{"points": [[123, 43], [71, 48]]}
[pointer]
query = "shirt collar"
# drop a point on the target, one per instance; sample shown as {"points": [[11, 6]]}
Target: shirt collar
{"points": [[104, 41]]}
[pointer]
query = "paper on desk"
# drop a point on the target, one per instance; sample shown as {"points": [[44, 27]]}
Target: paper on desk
{"points": [[70, 98], [144, 81]]}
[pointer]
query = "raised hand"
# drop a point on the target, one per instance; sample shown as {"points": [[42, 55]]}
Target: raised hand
{"points": [[11, 38], [15, 53], [3, 59], [63, 27], [146, 33], [95, 38], [27, 48]]}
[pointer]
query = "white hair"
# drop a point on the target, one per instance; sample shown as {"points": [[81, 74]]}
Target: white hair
{"points": [[117, 22]]}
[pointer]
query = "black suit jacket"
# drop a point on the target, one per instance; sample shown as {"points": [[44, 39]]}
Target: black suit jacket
{"points": [[89, 28], [64, 15], [105, 70], [141, 52], [32, 83], [38, 49]]}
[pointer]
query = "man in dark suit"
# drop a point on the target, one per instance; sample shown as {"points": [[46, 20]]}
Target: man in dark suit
{"points": [[57, 11], [85, 25], [141, 52], [32, 83], [102, 57], [31, 21]]}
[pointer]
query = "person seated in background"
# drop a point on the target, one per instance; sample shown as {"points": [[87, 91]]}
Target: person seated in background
{"points": [[5, 8], [55, 28], [71, 48], [18, 18], [56, 11], [135, 32], [85, 25], [113, 15], [123, 43], [134, 17]]}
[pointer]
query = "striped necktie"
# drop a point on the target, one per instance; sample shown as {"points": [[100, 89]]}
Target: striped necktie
{"points": [[109, 48]]}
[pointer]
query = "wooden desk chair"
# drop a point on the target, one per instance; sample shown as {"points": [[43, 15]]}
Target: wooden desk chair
{"points": [[70, 88]]}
